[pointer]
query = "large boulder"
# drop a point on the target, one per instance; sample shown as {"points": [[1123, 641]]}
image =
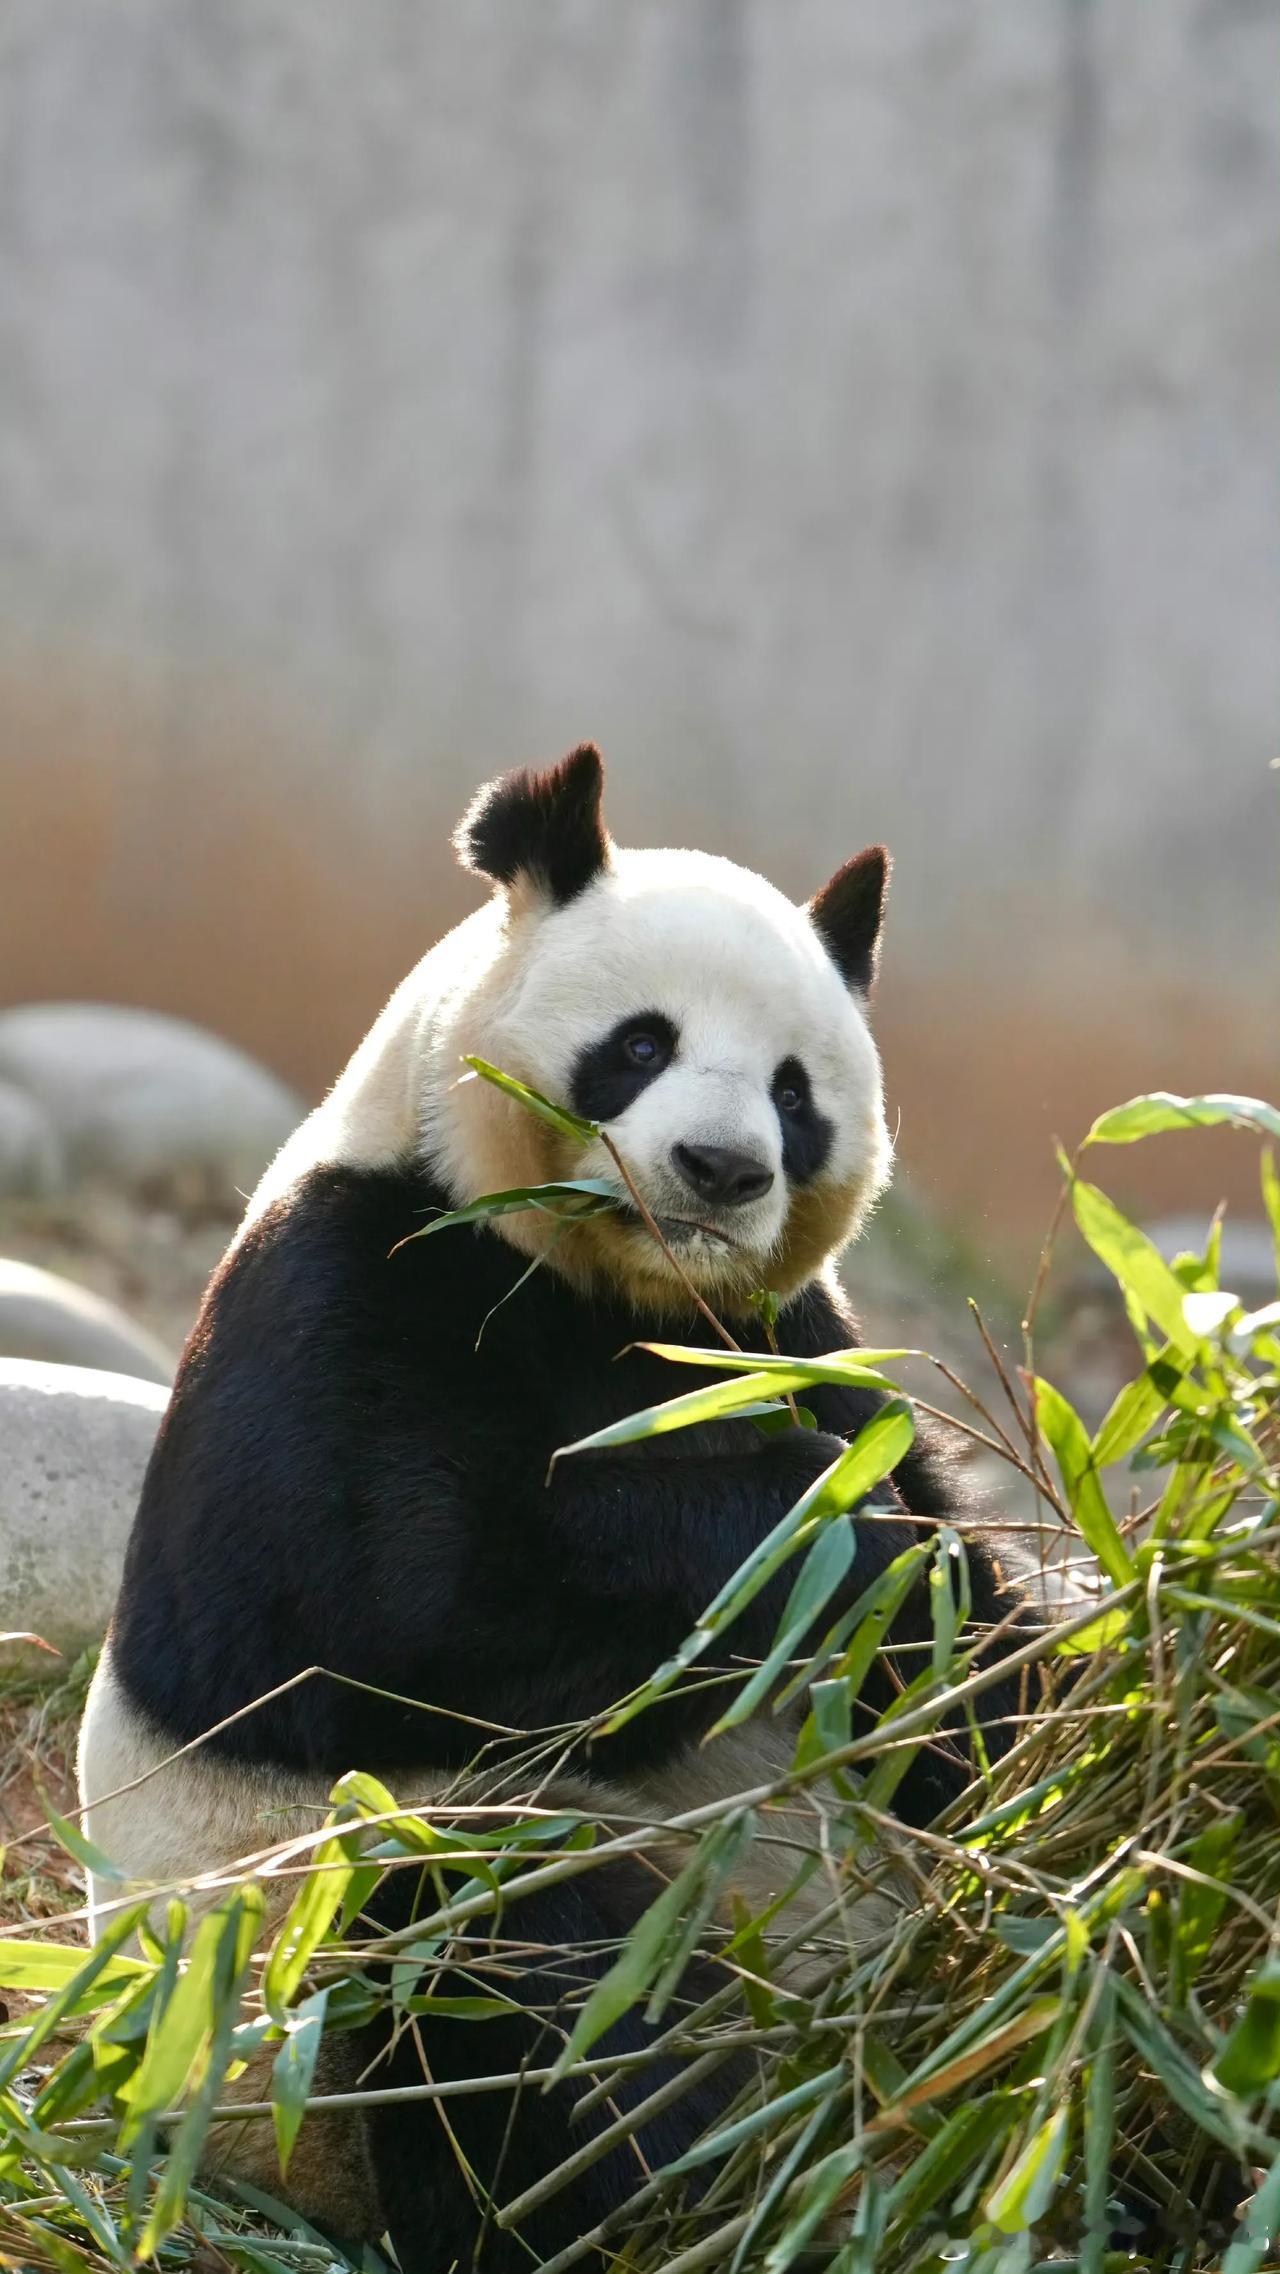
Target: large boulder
{"points": [[32, 1161], [144, 1101], [45, 1316], [74, 1444]]}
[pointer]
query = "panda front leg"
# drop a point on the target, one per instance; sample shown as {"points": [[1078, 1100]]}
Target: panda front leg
{"points": [[444, 2169], [646, 1538]]}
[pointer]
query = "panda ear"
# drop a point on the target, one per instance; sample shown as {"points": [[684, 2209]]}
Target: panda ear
{"points": [[546, 827], [848, 915]]}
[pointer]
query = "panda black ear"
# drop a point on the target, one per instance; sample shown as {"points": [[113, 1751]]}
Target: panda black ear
{"points": [[848, 915], [547, 827]]}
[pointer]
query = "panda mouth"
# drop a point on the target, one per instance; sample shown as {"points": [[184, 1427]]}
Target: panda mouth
{"points": [[681, 1231]]}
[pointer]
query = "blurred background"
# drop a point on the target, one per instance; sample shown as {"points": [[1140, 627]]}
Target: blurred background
{"points": [[862, 420]]}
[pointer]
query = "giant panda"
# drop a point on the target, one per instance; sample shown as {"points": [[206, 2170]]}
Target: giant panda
{"points": [[353, 1470]]}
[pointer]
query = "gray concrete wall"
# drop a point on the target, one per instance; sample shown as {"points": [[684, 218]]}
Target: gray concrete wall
{"points": [[862, 417]]}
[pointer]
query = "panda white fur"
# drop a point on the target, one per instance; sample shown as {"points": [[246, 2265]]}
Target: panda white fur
{"points": [[350, 1475]]}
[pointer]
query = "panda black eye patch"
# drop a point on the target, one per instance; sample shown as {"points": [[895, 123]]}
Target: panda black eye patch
{"points": [[806, 1133], [609, 1074]]}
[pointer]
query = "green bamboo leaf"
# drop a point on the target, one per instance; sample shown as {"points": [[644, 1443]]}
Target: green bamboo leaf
{"points": [[307, 1921], [1136, 1263], [1165, 2057], [1137, 1408], [720, 1400], [834, 1367], [799, 2155], [762, 2119], [821, 1573], [461, 2009], [241, 1919], [721, 1851], [1160, 1110], [823, 2184], [574, 1199], [85, 1853], [950, 1596], [80, 1981], [1025, 2193], [293, 2071], [1202, 1901], [183, 2026], [875, 1451], [1099, 2137], [860, 1633], [828, 1725], [956, 2149], [569, 1124], [1061, 1426], [1250, 2059], [658, 1935], [39, 1966]]}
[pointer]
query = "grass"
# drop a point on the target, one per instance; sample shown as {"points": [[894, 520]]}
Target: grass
{"points": [[1063, 2050]]}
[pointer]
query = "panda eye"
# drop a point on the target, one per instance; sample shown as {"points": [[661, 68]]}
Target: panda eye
{"points": [[644, 1049], [790, 1087]]}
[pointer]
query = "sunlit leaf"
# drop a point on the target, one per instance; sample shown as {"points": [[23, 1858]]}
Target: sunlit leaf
{"points": [[1136, 1262], [573, 1200], [1025, 2193], [1066, 1434], [824, 1567], [1159, 1111], [569, 1124], [834, 1366], [720, 1400], [874, 1453], [293, 2072], [308, 1920]]}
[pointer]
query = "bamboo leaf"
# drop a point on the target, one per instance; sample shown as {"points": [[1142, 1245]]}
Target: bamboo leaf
{"points": [[238, 1921], [1159, 1111], [307, 1921], [875, 1451], [568, 1124], [80, 1980], [1026, 2192], [1137, 1408], [720, 1400], [182, 2027], [35, 1966], [823, 1569], [293, 2071], [658, 1936], [834, 1367], [1137, 1264], [1061, 1425], [762, 2119], [574, 1200], [1250, 2059]]}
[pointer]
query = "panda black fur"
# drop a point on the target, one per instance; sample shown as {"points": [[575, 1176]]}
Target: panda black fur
{"points": [[351, 1471]]}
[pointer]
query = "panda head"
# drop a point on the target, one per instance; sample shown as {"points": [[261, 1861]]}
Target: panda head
{"points": [[717, 1031]]}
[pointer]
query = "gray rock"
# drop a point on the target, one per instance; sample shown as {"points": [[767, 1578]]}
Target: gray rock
{"points": [[32, 1159], [142, 1100], [74, 1445], [45, 1316]]}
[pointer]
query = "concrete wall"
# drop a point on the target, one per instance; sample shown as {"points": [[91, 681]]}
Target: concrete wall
{"points": [[862, 418]]}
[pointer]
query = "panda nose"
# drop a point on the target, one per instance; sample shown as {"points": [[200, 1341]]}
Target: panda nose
{"points": [[722, 1174]]}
